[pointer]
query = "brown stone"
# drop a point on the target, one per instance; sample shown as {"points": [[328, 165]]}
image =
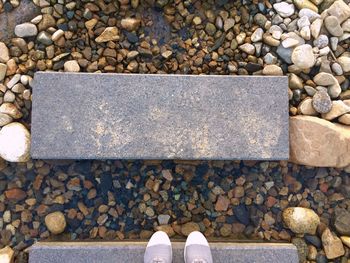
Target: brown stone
{"points": [[167, 229], [189, 227], [222, 203], [318, 142], [15, 194]]}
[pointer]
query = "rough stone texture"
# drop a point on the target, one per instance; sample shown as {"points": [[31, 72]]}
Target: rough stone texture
{"points": [[301, 220], [108, 116], [318, 142], [110, 252]]}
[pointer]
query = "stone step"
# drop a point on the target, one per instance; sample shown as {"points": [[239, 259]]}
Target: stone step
{"points": [[120, 252], [135, 116]]}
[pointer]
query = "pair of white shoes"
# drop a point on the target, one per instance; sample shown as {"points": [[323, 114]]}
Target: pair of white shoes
{"points": [[159, 249]]}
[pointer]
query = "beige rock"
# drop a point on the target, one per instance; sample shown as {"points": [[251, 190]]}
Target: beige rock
{"points": [[340, 10], [109, 34], [6, 255], [301, 220], [90, 24], [345, 119], [332, 245], [11, 110], [272, 70], [55, 222], [305, 4], [344, 62], [318, 142], [4, 53], [338, 108], [306, 108], [130, 24], [345, 240], [71, 66]]}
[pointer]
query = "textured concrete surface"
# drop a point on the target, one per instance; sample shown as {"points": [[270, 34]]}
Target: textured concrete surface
{"points": [[121, 252], [131, 116], [25, 12]]}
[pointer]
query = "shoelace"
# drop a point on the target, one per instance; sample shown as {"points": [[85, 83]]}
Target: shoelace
{"points": [[199, 261], [157, 260]]}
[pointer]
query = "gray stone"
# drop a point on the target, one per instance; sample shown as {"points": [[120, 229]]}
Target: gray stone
{"points": [[110, 252], [131, 116], [26, 30]]}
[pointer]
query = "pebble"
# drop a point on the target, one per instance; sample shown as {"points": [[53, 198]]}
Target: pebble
{"points": [[342, 222], [247, 48], [344, 119], [333, 26], [4, 53], [56, 222], [11, 110], [3, 69], [163, 219], [284, 9], [345, 240], [332, 245], [344, 62], [71, 66], [338, 108], [301, 220], [222, 203], [257, 35], [311, 15], [109, 34], [306, 107], [57, 35], [315, 27], [14, 142], [321, 41], [303, 56], [26, 30], [272, 70], [5, 119], [340, 10], [7, 255], [130, 24], [322, 102]]}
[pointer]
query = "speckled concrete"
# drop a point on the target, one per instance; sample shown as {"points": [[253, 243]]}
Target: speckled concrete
{"points": [[131, 116], [122, 252]]}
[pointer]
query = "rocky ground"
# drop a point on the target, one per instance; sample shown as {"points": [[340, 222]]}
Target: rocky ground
{"points": [[308, 40]]}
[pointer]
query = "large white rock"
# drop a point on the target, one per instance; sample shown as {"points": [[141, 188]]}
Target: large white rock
{"points": [[14, 142], [301, 220], [318, 142]]}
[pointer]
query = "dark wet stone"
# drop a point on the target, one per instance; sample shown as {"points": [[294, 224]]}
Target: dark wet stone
{"points": [[313, 240], [242, 214]]}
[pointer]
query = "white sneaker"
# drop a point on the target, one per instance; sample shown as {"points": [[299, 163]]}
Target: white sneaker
{"points": [[197, 249], [158, 249]]}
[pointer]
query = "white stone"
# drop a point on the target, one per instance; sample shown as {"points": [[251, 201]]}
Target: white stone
{"points": [[26, 30], [257, 35], [14, 143], [344, 62], [247, 48], [284, 9], [71, 66], [316, 27], [311, 15], [303, 56]]}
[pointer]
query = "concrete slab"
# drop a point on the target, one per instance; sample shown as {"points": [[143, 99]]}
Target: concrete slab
{"points": [[134, 116], [121, 252]]}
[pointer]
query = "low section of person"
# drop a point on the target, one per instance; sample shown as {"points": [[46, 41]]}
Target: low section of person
{"points": [[196, 250]]}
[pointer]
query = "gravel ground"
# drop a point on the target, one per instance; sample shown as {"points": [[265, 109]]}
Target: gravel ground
{"points": [[115, 200]]}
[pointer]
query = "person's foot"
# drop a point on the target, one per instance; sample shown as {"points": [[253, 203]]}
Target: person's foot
{"points": [[197, 249], [158, 249]]}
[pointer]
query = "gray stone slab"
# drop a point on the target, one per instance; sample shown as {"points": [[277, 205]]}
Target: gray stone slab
{"points": [[121, 252], [134, 116]]}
